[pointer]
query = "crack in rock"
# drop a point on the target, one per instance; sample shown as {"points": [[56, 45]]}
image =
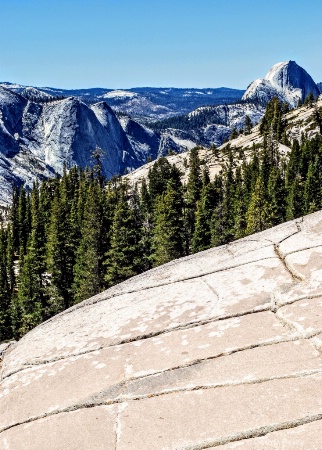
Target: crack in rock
{"points": [[86, 404], [249, 434], [186, 326], [137, 397], [294, 273]]}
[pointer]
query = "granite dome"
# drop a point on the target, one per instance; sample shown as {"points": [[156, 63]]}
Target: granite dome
{"points": [[221, 349]]}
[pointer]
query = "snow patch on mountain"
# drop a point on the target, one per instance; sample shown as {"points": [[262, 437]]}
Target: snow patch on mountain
{"points": [[119, 94]]}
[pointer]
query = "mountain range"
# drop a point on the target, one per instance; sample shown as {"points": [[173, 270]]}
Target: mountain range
{"points": [[43, 129], [141, 103]]}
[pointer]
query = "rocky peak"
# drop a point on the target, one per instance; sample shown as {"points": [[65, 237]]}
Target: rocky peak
{"points": [[286, 80]]}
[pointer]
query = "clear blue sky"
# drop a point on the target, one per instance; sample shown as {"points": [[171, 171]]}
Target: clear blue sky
{"points": [[180, 43]]}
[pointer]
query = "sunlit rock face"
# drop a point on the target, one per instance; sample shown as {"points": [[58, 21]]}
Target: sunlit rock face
{"points": [[38, 139], [221, 349], [286, 80]]}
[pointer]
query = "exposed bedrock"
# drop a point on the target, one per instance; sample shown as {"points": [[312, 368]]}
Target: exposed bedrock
{"points": [[221, 349]]}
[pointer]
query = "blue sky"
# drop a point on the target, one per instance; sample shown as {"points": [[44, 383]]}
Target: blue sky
{"points": [[180, 43]]}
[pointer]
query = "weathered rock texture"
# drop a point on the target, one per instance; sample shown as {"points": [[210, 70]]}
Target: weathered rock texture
{"points": [[217, 350]]}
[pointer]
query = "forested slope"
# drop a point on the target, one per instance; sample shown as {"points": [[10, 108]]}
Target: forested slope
{"points": [[73, 236]]}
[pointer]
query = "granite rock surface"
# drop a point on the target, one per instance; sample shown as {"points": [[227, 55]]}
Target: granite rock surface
{"points": [[222, 349]]}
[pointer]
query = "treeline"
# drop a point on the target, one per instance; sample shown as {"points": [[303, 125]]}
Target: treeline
{"points": [[45, 99], [75, 235]]}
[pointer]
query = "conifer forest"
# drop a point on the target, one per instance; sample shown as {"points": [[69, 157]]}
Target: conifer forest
{"points": [[73, 236]]}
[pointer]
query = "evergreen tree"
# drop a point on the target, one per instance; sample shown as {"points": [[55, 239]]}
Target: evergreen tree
{"points": [[240, 206], [223, 220], [274, 122], [159, 175], [5, 291], [248, 125], [167, 243], [257, 216], [88, 269], [60, 257], [309, 99], [233, 134], [124, 258], [30, 302], [202, 233], [193, 192], [317, 116], [294, 207]]}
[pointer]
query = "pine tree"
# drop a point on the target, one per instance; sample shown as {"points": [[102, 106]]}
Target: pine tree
{"points": [[274, 122], [31, 301], [233, 134], [193, 193], [240, 206], [60, 261], [317, 116], [294, 206], [88, 269], [124, 258], [159, 175], [5, 290], [223, 220], [23, 222], [257, 215], [167, 243], [202, 233], [309, 99], [248, 125], [276, 194]]}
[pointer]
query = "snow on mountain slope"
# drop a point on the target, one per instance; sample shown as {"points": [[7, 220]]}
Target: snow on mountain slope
{"points": [[286, 80], [139, 106], [35, 94], [119, 93]]}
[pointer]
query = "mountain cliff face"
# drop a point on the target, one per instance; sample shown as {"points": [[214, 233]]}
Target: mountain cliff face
{"points": [[38, 139], [286, 80]]}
